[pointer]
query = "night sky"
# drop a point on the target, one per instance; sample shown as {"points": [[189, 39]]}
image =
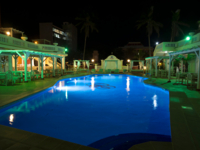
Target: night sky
{"points": [[116, 22]]}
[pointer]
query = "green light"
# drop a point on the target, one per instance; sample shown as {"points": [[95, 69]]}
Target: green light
{"points": [[187, 38], [66, 49]]}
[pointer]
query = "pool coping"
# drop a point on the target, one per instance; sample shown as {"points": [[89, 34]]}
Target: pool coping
{"points": [[51, 84]]}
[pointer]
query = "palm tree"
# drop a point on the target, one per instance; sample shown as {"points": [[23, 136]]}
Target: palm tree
{"points": [[147, 19], [175, 25], [87, 24]]}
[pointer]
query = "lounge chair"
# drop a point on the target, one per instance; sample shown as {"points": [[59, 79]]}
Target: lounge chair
{"points": [[116, 71], [6, 78], [93, 71], [125, 70], [37, 73], [18, 75], [47, 73], [100, 71], [108, 71]]}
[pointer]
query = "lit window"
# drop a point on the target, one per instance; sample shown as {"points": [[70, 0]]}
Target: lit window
{"points": [[57, 35]]}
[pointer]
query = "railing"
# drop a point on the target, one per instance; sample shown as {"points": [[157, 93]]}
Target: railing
{"points": [[20, 44]]}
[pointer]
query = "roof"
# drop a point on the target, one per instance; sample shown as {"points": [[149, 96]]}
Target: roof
{"points": [[186, 51], [32, 53], [158, 57]]}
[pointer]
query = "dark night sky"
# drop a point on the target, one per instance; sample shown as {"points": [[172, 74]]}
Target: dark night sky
{"points": [[116, 21]]}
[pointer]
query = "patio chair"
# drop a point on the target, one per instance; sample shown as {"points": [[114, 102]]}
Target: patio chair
{"points": [[3, 78], [92, 71], [192, 77], [100, 71], [18, 75], [116, 71], [108, 71], [37, 73], [9, 77], [125, 70], [47, 73]]}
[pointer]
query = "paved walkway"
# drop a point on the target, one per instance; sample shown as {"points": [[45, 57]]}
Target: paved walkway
{"points": [[184, 116]]}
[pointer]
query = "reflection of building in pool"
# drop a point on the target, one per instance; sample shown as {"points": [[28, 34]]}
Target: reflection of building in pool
{"points": [[29, 106]]}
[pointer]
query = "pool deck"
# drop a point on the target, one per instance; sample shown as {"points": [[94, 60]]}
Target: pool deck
{"points": [[184, 116]]}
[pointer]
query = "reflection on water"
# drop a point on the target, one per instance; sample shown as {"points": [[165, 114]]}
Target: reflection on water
{"points": [[128, 84], [155, 101], [92, 84], [11, 118]]}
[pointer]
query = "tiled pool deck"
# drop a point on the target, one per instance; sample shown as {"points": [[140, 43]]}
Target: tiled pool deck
{"points": [[184, 115]]}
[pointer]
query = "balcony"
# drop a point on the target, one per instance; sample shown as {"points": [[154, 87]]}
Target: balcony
{"points": [[8, 42]]}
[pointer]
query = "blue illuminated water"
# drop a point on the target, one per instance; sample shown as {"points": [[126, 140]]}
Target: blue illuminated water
{"points": [[95, 110]]}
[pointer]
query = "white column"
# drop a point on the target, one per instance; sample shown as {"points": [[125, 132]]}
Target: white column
{"points": [[61, 66], [96, 67], [39, 67], [25, 67], [156, 64], [74, 64], [13, 62], [10, 62], [63, 62], [0, 64], [43, 62], [33, 62], [55, 62], [181, 66], [172, 66], [198, 76], [150, 65], [42, 77], [169, 74], [53, 58]]}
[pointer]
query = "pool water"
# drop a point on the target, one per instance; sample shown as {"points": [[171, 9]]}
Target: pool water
{"points": [[95, 110]]}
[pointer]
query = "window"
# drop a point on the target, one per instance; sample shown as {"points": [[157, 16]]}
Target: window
{"points": [[57, 35]]}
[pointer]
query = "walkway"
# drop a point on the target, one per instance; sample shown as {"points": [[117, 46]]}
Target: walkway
{"points": [[184, 114], [184, 117]]}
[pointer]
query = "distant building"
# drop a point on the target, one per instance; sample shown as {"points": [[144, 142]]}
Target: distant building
{"points": [[95, 56], [65, 37], [132, 49]]}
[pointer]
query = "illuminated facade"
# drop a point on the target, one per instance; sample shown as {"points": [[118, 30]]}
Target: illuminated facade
{"points": [[8, 42], [65, 36]]}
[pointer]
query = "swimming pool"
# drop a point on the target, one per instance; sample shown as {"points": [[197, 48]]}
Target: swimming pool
{"points": [[101, 111]]}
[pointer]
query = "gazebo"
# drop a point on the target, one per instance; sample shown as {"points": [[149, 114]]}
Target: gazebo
{"points": [[111, 62], [157, 60], [25, 54], [132, 64], [79, 63], [195, 50]]}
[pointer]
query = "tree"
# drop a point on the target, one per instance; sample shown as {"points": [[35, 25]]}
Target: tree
{"points": [[175, 24], [147, 19], [87, 24]]}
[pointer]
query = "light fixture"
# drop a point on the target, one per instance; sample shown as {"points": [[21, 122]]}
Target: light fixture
{"points": [[187, 38], [8, 33], [36, 42], [128, 60], [157, 43], [66, 49], [145, 67], [92, 60]]}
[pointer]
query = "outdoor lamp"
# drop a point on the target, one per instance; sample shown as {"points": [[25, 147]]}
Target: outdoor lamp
{"points": [[36, 42], [8, 33], [92, 60], [145, 67], [66, 49], [128, 60], [188, 38], [157, 43]]}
